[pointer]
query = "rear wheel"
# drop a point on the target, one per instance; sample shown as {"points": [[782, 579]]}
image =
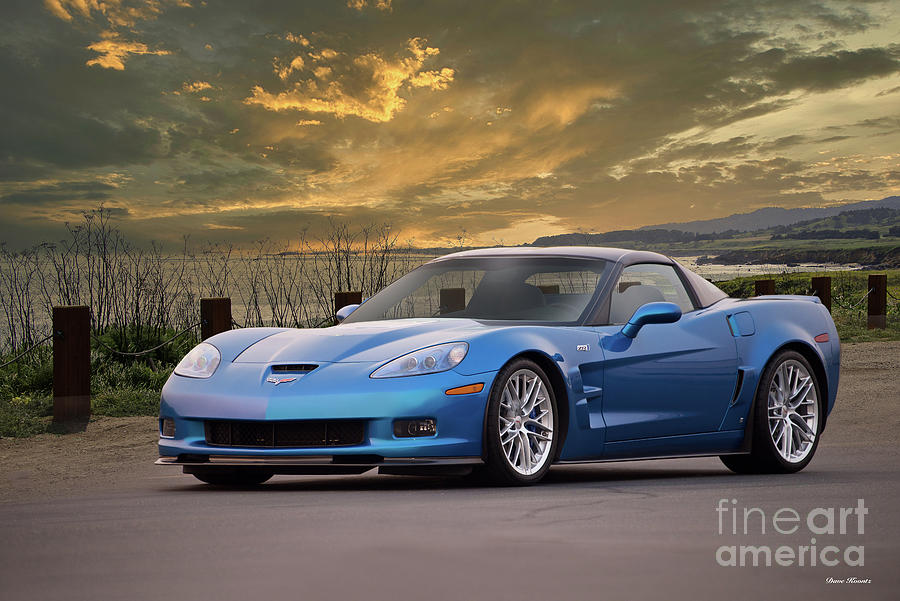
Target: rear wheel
{"points": [[232, 476], [787, 419], [521, 425]]}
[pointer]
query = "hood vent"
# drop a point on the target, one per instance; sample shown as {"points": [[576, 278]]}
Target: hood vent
{"points": [[293, 368]]}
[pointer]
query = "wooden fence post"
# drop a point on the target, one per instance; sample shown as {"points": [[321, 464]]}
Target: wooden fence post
{"points": [[764, 287], [215, 316], [877, 301], [342, 299], [822, 287], [71, 363]]}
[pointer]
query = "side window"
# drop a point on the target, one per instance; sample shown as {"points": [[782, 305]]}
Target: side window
{"points": [[646, 283]]}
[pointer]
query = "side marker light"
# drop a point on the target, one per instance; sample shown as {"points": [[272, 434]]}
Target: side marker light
{"points": [[469, 389]]}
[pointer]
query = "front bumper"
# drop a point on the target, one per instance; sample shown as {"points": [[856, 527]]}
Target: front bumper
{"points": [[331, 392]]}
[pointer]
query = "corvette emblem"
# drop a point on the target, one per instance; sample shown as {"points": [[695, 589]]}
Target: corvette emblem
{"points": [[277, 381]]}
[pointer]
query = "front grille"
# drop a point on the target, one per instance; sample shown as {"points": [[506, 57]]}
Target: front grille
{"points": [[297, 434]]}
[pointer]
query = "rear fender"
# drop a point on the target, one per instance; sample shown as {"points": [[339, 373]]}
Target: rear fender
{"points": [[780, 324]]}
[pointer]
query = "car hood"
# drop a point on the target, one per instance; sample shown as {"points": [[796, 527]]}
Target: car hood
{"points": [[370, 341]]}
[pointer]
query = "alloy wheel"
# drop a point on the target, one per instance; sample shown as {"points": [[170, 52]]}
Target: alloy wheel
{"points": [[526, 422], [793, 411]]}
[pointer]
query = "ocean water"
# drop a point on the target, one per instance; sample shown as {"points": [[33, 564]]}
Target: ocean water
{"points": [[718, 273]]}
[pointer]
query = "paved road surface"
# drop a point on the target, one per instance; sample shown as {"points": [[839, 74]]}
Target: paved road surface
{"points": [[636, 530]]}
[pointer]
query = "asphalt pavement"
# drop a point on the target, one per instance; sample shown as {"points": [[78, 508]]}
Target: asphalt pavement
{"points": [[634, 530]]}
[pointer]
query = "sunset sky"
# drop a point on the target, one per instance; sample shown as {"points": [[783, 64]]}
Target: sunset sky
{"points": [[237, 120]]}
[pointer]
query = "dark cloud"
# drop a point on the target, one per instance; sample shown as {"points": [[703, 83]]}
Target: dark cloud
{"points": [[835, 70], [783, 142], [63, 192]]}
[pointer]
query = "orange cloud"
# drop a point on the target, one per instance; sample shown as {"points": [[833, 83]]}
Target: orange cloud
{"points": [[384, 5], [296, 39], [192, 87], [219, 226], [283, 71], [436, 80], [116, 12], [112, 16], [114, 51], [337, 89]]}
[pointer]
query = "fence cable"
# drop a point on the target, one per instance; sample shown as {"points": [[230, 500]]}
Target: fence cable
{"points": [[25, 352], [323, 322], [865, 296], [100, 341], [319, 324], [838, 300]]}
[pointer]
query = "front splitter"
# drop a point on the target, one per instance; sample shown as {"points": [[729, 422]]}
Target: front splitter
{"points": [[316, 464]]}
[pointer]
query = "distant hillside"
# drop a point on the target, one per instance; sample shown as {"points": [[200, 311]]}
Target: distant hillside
{"points": [[844, 225], [648, 236], [881, 257], [772, 216], [868, 236]]}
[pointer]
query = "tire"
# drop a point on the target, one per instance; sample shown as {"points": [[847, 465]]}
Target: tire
{"points": [[783, 427], [521, 434], [237, 477]]}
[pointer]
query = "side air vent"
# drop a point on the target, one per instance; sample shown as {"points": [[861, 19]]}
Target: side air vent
{"points": [[293, 368], [737, 387]]}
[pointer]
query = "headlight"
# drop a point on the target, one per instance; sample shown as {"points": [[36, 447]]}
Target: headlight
{"points": [[201, 362], [429, 360]]}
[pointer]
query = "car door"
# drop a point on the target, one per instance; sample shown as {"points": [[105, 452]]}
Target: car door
{"points": [[673, 378]]}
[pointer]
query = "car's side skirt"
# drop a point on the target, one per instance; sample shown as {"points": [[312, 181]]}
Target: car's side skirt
{"points": [[684, 445], [654, 458]]}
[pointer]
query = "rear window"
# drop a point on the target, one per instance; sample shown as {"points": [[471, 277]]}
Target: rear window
{"points": [[707, 292]]}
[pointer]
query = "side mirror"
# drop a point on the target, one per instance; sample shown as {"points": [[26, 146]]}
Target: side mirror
{"points": [[651, 313], [344, 312]]}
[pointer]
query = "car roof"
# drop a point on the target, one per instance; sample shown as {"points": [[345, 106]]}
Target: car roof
{"points": [[616, 255]]}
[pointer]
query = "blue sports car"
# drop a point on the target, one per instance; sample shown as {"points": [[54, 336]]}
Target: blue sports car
{"points": [[505, 361]]}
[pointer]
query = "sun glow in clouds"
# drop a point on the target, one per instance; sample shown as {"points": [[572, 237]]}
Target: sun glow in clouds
{"points": [[335, 87], [114, 51]]}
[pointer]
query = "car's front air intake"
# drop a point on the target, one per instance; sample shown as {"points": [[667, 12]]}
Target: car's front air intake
{"points": [[296, 433], [293, 368]]}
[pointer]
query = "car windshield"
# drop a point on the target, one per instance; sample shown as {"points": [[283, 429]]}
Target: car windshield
{"points": [[534, 289]]}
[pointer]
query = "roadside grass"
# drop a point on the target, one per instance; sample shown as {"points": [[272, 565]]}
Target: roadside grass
{"points": [[26, 397], [123, 386], [120, 386]]}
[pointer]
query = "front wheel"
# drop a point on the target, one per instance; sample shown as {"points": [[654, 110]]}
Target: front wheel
{"points": [[787, 419], [223, 476], [521, 429]]}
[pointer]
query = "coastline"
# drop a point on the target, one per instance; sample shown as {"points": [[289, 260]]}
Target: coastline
{"points": [[876, 258]]}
